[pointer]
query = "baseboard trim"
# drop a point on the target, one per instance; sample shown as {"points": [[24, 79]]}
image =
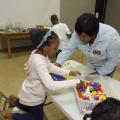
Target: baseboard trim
{"points": [[19, 48]]}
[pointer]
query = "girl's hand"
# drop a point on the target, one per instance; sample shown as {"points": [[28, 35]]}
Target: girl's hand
{"points": [[80, 84], [74, 73]]}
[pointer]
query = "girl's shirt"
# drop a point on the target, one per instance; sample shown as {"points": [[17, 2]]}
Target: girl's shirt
{"points": [[38, 80]]}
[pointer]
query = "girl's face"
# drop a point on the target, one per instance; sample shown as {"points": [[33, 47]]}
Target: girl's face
{"points": [[52, 48]]}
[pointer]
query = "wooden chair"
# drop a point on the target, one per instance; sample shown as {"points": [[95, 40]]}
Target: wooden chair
{"points": [[5, 104]]}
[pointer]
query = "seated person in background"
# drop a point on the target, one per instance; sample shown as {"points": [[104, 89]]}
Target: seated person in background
{"points": [[62, 31], [106, 110]]}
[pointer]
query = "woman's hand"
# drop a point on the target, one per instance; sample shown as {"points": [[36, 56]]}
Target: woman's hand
{"points": [[74, 73], [94, 73], [58, 65]]}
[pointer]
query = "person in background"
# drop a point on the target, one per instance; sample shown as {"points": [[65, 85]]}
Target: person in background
{"points": [[99, 42], [62, 31], [106, 110]]}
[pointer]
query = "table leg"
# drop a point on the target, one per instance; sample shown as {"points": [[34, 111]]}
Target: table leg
{"points": [[82, 56], [2, 45], [9, 47]]}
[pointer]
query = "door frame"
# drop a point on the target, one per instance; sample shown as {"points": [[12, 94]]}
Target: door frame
{"points": [[100, 10]]}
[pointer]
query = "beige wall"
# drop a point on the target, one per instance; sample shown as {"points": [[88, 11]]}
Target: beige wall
{"points": [[71, 9], [112, 14], [28, 13]]}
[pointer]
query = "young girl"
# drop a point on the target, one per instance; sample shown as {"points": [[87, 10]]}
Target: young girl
{"points": [[33, 90]]}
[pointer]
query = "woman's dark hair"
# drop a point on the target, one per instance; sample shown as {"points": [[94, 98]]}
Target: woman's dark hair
{"points": [[37, 36], [106, 110], [87, 23]]}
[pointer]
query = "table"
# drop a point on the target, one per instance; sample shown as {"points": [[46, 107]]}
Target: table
{"points": [[9, 37], [66, 100]]}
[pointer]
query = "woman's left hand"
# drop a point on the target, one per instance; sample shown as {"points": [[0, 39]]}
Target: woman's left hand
{"points": [[74, 73], [94, 73]]}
